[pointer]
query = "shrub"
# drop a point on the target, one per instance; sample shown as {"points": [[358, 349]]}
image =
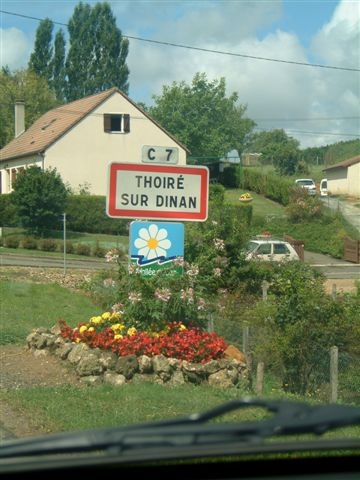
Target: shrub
{"points": [[48, 245], [83, 249], [30, 243], [303, 206], [69, 247], [12, 242], [87, 213], [99, 252]]}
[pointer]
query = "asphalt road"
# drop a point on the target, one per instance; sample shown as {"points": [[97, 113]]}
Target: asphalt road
{"points": [[16, 260], [347, 210], [331, 267]]}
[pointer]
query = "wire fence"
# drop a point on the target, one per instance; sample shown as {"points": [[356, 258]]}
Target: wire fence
{"points": [[334, 378]]}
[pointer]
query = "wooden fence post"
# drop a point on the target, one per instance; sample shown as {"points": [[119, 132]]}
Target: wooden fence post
{"points": [[334, 354], [245, 339], [259, 378]]}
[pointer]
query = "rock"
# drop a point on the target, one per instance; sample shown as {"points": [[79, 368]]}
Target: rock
{"points": [[233, 352]]}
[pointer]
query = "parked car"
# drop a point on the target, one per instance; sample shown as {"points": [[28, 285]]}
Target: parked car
{"points": [[307, 183], [270, 250], [323, 187]]}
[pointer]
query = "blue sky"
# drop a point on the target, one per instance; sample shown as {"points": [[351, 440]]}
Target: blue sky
{"points": [[316, 105]]}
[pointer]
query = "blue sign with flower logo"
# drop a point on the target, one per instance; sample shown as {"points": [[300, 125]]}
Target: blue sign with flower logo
{"points": [[156, 246]]}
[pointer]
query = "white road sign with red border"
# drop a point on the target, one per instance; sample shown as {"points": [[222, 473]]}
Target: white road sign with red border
{"points": [[157, 192]]}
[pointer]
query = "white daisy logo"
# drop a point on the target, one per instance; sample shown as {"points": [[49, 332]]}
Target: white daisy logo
{"points": [[152, 242]]}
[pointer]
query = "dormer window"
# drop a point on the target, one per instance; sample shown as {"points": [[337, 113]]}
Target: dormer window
{"points": [[116, 123]]}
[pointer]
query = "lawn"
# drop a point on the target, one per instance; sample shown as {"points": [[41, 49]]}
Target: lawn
{"points": [[262, 206]]}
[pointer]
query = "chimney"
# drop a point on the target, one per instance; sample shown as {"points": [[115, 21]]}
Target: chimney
{"points": [[19, 117]]}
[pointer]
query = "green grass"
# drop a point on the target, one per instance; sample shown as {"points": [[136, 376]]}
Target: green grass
{"points": [[27, 305], [261, 206], [75, 408]]}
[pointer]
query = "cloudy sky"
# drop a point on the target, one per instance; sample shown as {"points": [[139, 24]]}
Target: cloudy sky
{"points": [[295, 64]]}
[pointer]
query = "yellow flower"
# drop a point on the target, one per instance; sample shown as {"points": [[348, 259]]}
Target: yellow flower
{"points": [[245, 195], [91, 329], [118, 336], [182, 327], [131, 331], [96, 320], [83, 328], [106, 315], [117, 327]]}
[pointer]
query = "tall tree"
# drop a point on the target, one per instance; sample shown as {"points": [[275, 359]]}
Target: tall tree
{"points": [[202, 117], [40, 198], [27, 86], [40, 59], [97, 54], [277, 149], [58, 82]]}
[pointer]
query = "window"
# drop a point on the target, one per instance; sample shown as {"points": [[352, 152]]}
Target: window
{"points": [[117, 122], [264, 249], [280, 248]]}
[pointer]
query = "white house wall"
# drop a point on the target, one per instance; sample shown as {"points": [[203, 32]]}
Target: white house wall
{"points": [[12, 168], [82, 156], [354, 179], [344, 181]]}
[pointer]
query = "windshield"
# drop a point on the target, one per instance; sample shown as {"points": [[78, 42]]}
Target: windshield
{"points": [[137, 180], [251, 246], [305, 182]]}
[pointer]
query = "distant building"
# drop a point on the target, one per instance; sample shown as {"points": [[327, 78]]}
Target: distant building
{"points": [[344, 178], [250, 159]]}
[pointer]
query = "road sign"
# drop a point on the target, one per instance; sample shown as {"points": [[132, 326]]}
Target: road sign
{"points": [[157, 192], [156, 246], [152, 154]]}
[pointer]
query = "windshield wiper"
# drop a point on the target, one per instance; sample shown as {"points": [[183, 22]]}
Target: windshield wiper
{"points": [[193, 434]]}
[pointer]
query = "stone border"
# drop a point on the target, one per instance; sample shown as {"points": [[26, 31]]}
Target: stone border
{"points": [[94, 366]]}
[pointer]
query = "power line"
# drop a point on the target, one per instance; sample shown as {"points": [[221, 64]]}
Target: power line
{"points": [[303, 132], [207, 50]]}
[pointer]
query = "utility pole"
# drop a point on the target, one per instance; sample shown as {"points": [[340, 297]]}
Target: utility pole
{"points": [[64, 240]]}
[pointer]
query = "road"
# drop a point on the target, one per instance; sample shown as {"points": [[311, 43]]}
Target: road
{"points": [[349, 211], [17, 260], [331, 267]]}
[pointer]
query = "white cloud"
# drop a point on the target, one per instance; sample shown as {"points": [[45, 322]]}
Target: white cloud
{"points": [[15, 48], [271, 90]]}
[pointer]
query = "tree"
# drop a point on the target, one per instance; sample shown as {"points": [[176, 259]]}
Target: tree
{"points": [[277, 149], [202, 117], [97, 54], [41, 57], [27, 86], [58, 81], [40, 198], [299, 323]]}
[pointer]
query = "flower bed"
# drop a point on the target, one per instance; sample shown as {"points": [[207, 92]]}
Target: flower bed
{"points": [[175, 340], [245, 197], [95, 366]]}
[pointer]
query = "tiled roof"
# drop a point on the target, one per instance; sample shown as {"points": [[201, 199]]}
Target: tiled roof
{"points": [[344, 163], [55, 123]]}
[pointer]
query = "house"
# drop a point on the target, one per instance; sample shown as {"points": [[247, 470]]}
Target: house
{"points": [[344, 178], [81, 138]]}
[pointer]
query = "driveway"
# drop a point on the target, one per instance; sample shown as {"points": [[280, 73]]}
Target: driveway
{"points": [[348, 210]]}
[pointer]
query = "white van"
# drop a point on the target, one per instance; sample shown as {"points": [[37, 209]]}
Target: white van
{"points": [[323, 188]]}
